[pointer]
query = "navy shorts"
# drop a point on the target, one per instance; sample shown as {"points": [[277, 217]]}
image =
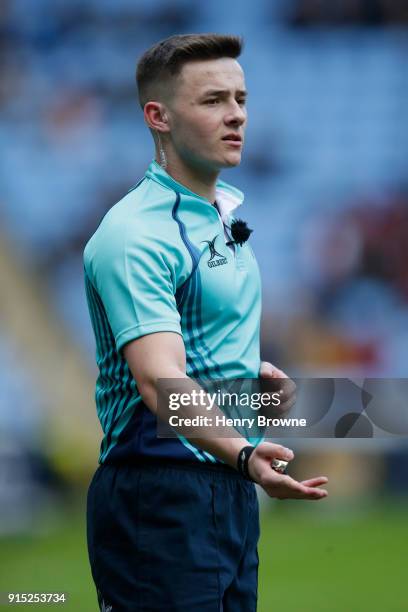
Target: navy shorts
{"points": [[173, 538]]}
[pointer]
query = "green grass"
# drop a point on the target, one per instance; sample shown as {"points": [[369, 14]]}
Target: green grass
{"points": [[356, 564], [308, 563], [52, 562]]}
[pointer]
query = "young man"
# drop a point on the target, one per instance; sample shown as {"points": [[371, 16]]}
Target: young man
{"points": [[173, 523]]}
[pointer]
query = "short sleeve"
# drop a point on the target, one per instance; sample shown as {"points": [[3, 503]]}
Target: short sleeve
{"points": [[136, 284]]}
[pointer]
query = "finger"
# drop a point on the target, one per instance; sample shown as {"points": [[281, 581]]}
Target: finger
{"points": [[277, 373], [315, 482], [298, 493], [292, 488], [288, 395], [290, 484], [284, 386], [274, 451], [316, 494], [308, 493], [285, 487], [266, 369], [312, 491]]}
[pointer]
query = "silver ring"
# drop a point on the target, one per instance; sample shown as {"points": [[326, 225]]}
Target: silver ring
{"points": [[279, 465]]}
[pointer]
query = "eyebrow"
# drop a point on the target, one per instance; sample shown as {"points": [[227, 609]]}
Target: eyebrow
{"points": [[218, 92]]}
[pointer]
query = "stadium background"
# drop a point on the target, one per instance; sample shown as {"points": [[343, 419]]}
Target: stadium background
{"points": [[325, 174]]}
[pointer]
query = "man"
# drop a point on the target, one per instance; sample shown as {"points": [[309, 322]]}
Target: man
{"points": [[173, 522]]}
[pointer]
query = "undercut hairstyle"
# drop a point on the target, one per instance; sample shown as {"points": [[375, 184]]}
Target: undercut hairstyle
{"points": [[160, 64]]}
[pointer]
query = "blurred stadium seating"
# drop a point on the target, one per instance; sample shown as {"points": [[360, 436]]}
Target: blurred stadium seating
{"points": [[325, 175], [325, 168]]}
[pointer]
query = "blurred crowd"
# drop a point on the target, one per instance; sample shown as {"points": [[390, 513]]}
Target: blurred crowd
{"points": [[348, 12], [324, 169], [353, 317]]}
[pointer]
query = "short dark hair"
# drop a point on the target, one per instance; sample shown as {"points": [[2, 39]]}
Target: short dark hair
{"points": [[166, 58]]}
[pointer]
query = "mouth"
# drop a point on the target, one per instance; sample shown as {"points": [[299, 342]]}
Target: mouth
{"points": [[232, 139]]}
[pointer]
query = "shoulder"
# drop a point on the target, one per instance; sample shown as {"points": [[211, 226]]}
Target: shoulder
{"points": [[144, 210], [141, 225]]}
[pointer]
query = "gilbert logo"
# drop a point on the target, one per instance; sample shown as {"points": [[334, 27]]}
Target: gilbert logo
{"points": [[213, 262]]}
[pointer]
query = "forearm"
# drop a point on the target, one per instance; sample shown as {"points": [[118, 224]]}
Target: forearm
{"points": [[223, 442], [227, 443]]}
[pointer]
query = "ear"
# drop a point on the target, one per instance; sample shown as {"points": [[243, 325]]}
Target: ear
{"points": [[156, 117]]}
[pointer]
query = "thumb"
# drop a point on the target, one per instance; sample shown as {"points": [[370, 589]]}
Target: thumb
{"points": [[274, 451]]}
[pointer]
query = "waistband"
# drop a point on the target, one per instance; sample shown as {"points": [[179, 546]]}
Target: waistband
{"points": [[190, 466]]}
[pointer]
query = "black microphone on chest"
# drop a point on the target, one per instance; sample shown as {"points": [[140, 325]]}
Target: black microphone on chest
{"points": [[240, 232]]}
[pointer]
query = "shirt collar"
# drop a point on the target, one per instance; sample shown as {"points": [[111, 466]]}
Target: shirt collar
{"points": [[228, 198]]}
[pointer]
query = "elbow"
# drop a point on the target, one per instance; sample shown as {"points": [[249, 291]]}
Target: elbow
{"points": [[152, 387], [148, 392]]}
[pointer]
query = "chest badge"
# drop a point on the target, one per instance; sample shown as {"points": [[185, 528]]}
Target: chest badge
{"points": [[216, 259]]}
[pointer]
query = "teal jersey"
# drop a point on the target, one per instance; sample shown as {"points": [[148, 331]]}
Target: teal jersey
{"points": [[159, 262]]}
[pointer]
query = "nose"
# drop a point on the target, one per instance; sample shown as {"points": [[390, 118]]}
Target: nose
{"points": [[237, 115]]}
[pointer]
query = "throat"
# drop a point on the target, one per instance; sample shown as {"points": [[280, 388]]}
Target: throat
{"points": [[195, 179]]}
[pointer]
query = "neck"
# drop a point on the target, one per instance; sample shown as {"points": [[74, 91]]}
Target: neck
{"points": [[200, 182]]}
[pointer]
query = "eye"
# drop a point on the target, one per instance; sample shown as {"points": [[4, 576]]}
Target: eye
{"points": [[212, 101], [241, 101]]}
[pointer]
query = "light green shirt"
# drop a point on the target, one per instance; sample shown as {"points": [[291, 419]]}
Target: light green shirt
{"points": [[159, 262]]}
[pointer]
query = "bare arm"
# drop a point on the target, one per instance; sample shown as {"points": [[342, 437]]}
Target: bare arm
{"points": [[162, 355]]}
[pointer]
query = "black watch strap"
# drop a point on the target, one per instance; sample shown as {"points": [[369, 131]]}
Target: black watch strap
{"points": [[242, 462]]}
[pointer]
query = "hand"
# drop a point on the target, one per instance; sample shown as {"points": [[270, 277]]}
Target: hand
{"points": [[267, 370], [278, 485], [273, 380]]}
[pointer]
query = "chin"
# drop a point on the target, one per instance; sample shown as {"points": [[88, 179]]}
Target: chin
{"points": [[231, 161]]}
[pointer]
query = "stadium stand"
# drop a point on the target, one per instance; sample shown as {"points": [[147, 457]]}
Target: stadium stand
{"points": [[326, 154]]}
